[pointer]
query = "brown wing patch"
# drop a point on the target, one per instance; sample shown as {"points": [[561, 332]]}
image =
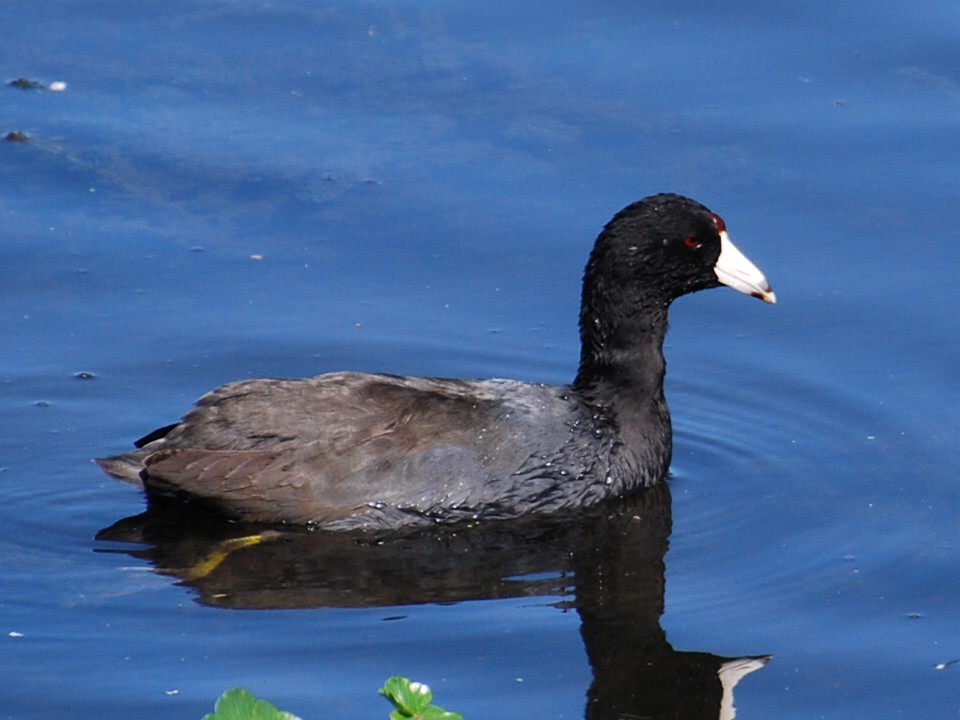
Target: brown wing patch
{"points": [[258, 485], [188, 466]]}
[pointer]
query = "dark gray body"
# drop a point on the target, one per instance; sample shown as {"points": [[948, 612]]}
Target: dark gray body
{"points": [[353, 450]]}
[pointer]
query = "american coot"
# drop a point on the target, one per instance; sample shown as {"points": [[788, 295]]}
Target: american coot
{"points": [[360, 451]]}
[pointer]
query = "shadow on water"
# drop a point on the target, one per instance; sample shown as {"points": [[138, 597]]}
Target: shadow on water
{"points": [[608, 566]]}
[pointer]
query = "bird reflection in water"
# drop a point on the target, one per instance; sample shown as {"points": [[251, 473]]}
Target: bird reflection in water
{"points": [[608, 566]]}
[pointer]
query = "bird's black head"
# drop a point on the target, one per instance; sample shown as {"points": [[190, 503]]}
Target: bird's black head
{"points": [[665, 246]]}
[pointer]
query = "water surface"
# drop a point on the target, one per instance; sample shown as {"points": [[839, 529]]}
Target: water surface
{"points": [[231, 189]]}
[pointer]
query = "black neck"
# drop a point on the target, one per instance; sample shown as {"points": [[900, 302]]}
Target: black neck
{"points": [[622, 351], [621, 377]]}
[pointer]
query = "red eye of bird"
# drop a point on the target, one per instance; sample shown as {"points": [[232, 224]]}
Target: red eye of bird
{"points": [[692, 242], [718, 221]]}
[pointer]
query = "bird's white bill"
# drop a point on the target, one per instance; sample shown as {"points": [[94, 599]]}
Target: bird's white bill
{"points": [[735, 270]]}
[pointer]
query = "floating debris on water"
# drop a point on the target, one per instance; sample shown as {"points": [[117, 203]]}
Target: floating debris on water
{"points": [[27, 84]]}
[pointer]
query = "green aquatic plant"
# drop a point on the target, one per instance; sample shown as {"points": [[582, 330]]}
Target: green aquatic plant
{"points": [[240, 704], [410, 700]]}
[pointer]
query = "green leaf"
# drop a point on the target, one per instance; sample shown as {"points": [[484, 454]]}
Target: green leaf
{"points": [[411, 698], [240, 704], [435, 712], [411, 701]]}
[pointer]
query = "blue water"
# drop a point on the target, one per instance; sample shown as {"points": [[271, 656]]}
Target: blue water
{"points": [[233, 189]]}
